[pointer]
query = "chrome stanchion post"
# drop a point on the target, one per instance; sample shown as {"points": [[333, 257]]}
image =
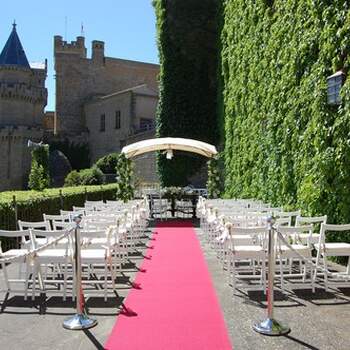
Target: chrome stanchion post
{"points": [[80, 320], [270, 326]]}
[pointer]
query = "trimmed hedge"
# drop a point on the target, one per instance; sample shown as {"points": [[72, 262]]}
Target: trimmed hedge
{"points": [[283, 143], [187, 41], [32, 204]]}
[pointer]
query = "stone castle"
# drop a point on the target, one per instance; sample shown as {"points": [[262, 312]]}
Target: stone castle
{"points": [[102, 102], [23, 97]]}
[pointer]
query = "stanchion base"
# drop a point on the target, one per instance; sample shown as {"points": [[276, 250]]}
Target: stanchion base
{"points": [[271, 327], [78, 322]]}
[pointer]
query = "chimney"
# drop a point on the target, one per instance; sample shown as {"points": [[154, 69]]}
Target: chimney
{"points": [[98, 51]]}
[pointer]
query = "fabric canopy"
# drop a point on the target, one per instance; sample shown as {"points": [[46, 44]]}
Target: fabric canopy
{"points": [[167, 144]]}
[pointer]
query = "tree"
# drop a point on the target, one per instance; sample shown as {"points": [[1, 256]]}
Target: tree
{"points": [[39, 177]]}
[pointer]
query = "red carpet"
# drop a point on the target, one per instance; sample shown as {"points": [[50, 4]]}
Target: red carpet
{"points": [[176, 306]]}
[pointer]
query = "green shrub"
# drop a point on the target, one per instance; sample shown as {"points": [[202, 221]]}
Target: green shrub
{"points": [[92, 176], [108, 163], [39, 177], [72, 179]]}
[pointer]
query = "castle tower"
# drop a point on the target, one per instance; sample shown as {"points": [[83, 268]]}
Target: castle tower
{"points": [[22, 89], [23, 97]]}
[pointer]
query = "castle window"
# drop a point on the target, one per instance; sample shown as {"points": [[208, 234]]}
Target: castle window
{"points": [[146, 124], [103, 122], [117, 120]]}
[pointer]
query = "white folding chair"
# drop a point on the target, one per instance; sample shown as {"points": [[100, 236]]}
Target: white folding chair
{"points": [[21, 260], [311, 237], [332, 249], [289, 253], [289, 214], [51, 218], [38, 225], [54, 260], [246, 258], [99, 257]]}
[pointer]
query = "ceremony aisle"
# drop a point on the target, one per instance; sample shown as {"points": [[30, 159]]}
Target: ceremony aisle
{"points": [[176, 306]]}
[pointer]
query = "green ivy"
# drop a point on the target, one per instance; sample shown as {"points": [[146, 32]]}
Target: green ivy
{"points": [[187, 40], [283, 143], [125, 188], [214, 182]]}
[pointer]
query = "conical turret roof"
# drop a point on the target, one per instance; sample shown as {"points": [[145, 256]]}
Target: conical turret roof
{"points": [[13, 53]]}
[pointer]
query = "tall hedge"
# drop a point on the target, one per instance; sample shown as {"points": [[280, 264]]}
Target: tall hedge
{"points": [[284, 144], [30, 205], [188, 52]]}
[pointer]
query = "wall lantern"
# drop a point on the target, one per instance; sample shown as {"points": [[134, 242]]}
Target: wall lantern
{"points": [[334, 84]]}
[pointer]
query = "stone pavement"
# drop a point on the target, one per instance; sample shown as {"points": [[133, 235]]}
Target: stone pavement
{"points": [[318, 321]]}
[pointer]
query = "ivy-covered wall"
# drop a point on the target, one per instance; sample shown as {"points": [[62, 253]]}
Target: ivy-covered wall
{"points": [[283, 143], [188, 50]]}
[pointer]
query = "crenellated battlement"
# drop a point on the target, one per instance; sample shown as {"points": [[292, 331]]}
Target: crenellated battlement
{"points": [[22, 91], [20, 132], [74, 47]]}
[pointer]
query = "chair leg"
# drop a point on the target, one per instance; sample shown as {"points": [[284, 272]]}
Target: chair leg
{"points": [[263, 272], [34, 273], [105, 282], [3, 266], [233, 275], [65, 282], [325, 272], [281, 273], [348, 267], [26, 282], [312, 280]]}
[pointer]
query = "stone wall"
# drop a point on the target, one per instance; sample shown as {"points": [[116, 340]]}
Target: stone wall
{"points": [[79, 78], [15, 156], [132, 105], [111, 139], [145, 166]]}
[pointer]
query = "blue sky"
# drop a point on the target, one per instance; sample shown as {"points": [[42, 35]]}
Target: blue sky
{"points": [[126, 26]]}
